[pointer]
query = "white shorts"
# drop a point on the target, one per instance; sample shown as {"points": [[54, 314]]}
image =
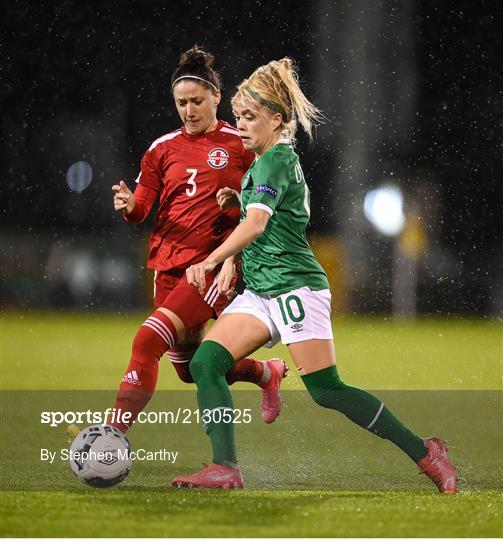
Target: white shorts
{"points": [[294, 316]]}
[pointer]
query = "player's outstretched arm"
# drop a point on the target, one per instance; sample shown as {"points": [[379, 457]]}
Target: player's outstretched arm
{"points": [[134, 206], [243, 235]]}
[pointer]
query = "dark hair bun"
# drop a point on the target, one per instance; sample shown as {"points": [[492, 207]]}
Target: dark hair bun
{"points": [[196, 57], [197, 63]]}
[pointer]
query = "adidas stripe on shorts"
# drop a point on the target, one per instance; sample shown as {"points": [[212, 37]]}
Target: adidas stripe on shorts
{"points": [[173, 292]]}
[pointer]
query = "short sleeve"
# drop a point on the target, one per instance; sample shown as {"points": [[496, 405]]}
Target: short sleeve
{"points": [[150, 175], [270, 179]]}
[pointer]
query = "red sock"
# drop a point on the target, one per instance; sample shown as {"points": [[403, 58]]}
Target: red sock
{"points": [[183, 372], [156, 335], [180, 357], [246, 370]]}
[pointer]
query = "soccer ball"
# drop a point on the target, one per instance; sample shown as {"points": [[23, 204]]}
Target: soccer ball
{"points": [[100, 456]]}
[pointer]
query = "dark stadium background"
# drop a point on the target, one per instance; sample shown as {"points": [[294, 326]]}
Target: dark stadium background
{"points": [[412, 92]]}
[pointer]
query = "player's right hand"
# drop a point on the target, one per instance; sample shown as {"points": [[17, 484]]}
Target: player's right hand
{"points": [[228, 198], [196, 274], [124, 200]]}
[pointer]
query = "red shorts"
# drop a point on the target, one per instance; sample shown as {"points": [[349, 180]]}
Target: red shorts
{"points": [[173, 292]]}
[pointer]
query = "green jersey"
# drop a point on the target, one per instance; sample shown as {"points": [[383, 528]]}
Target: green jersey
{"points": [[279, 260]]}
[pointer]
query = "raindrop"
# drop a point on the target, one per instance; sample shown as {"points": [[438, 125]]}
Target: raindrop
{"points": [[79, 176]]}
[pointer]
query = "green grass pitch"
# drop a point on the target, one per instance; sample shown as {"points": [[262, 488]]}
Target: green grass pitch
{"points": [[311, 473]]}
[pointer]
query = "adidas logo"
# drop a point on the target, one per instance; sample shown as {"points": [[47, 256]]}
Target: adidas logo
{"points": [[132, 378]]}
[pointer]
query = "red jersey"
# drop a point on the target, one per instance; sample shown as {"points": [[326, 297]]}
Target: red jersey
{"points": [[185, 172]]}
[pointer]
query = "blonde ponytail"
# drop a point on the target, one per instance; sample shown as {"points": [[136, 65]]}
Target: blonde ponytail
{"points": [[276, 86]]}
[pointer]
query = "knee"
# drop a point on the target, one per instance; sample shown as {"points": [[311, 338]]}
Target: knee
{"points": [[328, 392], [198, 368], [210, 361], [145, 351]]}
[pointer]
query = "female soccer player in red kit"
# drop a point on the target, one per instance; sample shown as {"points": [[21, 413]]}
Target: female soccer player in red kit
{"points": [[183, 171]]}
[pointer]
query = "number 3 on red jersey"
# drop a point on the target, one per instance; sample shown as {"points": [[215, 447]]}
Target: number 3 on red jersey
{"points": [[192, 186]]}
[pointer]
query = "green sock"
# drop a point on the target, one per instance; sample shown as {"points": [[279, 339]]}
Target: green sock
{"points": [[364, 409], [208, 368]]}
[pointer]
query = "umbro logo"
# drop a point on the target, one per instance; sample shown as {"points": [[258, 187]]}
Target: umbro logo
{"points": [[109, 459], [297, 327], [132, 378]]}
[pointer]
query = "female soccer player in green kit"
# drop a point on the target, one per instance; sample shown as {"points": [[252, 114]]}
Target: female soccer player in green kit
{"points": [[287, 295]]}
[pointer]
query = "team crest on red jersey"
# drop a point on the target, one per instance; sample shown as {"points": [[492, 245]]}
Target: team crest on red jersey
{"points": [[218, 158]]}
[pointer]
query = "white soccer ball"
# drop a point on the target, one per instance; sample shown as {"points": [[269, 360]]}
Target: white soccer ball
{"points": [[100, 456]]}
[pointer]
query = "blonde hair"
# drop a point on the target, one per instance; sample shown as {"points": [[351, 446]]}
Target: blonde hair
{"points": [[276, 86]]}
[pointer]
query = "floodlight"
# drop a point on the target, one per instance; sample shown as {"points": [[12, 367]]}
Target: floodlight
{"points": [[383, 207]]}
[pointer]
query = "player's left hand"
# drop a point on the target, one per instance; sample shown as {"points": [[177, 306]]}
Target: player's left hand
{"points": [[228, 198], [225, 278], [196, 274]]}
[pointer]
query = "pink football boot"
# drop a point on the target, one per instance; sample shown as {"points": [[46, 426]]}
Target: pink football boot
{"points": [[213, 476], [437, 467], [271, 402]]}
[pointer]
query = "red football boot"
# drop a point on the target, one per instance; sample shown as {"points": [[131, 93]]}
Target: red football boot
{"points": [[271, 403], [437, 467], [213, 476]]}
